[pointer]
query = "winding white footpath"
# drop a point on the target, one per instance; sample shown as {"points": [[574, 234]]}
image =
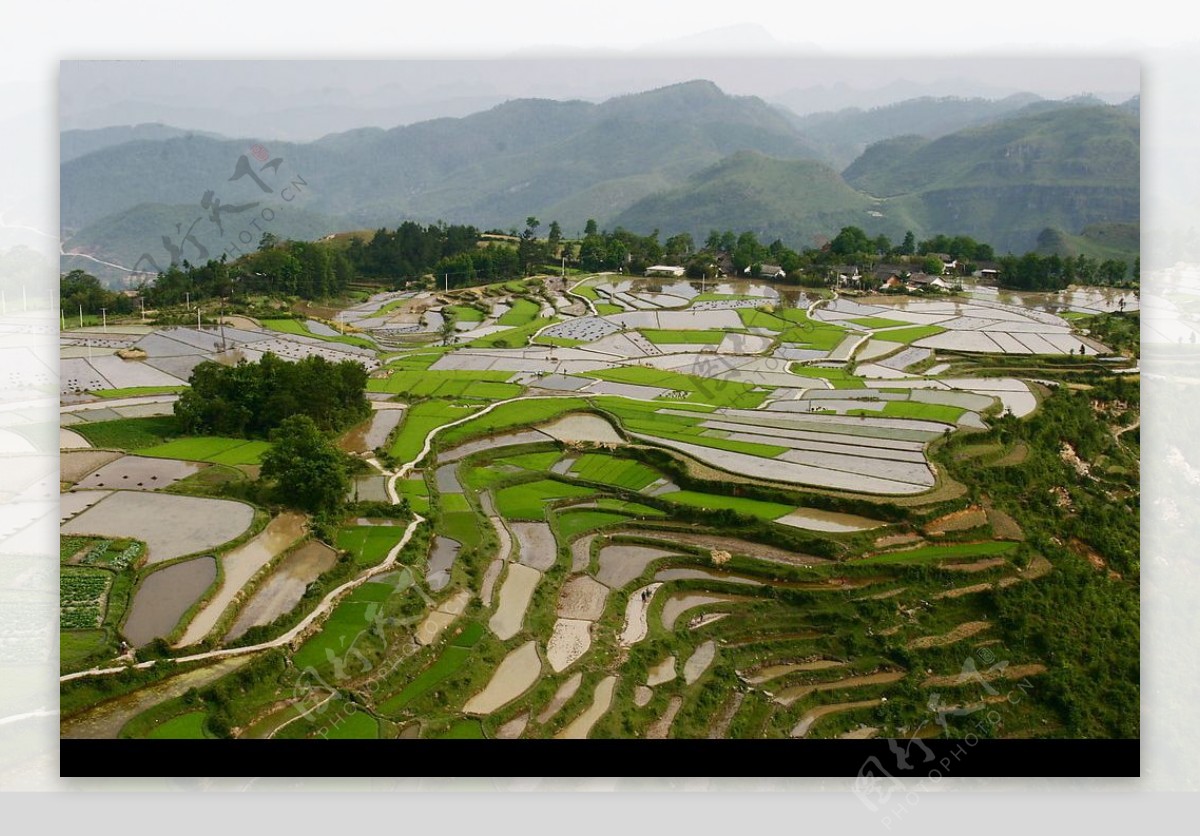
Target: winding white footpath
{"points": [[321, 609]]}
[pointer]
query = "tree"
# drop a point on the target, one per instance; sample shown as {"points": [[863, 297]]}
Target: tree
{"points": [[932, 265], [851, 241], [447, 329], [679, 246], [909, 246], [748, 251], [554, 237], [307, 471], [590, 227]]}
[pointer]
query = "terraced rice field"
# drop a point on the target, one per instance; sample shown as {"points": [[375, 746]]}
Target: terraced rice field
{"points": [[700, 516]]}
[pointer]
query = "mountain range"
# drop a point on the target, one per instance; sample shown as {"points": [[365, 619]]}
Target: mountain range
{"points": [[683, 158]]}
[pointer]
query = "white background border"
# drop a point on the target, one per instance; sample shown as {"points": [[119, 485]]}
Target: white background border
{"points": [[36, 36]]}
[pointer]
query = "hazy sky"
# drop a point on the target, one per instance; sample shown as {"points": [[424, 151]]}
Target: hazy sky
{"points": [[307, 99]]}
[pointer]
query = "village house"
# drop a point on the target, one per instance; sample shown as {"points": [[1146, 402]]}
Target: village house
{"points": [[665, 270], [923, 281]]}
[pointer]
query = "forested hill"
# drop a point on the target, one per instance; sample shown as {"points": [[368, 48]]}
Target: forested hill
{"points": [[497, 167], [1066, 169], [683, 158]]}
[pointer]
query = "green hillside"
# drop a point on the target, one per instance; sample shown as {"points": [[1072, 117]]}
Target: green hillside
{"points": [[1004, 183], [845, 134], [795, 200]]}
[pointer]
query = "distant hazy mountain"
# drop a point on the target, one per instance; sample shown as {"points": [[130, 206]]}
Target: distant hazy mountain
{"points": [[843, 135], [802, 202], [123, 237], [525, 157], [683, 157], [72, 144], [1005, 182]]}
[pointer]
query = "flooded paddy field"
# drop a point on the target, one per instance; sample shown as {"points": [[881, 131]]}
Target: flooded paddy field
{"points": [[164, 596]]}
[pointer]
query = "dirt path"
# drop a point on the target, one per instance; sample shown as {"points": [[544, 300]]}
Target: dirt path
{"points": [[320, 610]]}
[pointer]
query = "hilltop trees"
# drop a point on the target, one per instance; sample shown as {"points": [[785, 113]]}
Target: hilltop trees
{"points": [[81, 290]]}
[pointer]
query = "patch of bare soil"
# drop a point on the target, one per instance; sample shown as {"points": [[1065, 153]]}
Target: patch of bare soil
{"points": [[735, 546], [720, 726], [813, 715], [974, 566], [1003, 526], [1016, 456], [966, 629], [661, 728], [987, 676], [896, 540], [959, 521], [790, 695]]}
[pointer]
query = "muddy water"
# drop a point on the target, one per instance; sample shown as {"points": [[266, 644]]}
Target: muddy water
{"points": [[582, 428], [369, 488], [441, 560], [285, 587], [684, 573], [661, 728], [164, 596], [241, 564], [565, 692], [538, 548], [819, 520], [601, 698], [106, 720], [621, 564], [515, 674], [681, 602], [813, 715], [373, 433], [515, 593]]}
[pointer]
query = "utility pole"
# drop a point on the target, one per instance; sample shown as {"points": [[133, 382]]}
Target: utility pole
{"points": [[446, 277], [197, 318], [63, 315], [187, 300], [104, 318], [81, 315]]}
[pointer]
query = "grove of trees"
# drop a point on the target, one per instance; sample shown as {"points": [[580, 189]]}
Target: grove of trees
{"points": [[250, 400]]}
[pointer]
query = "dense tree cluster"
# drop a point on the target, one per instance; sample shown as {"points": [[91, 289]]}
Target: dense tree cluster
{"points": [[311, 270], [622, 249], [305, 469], [80, 291], [1033, 272], [250, 400], [410, 250]]}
